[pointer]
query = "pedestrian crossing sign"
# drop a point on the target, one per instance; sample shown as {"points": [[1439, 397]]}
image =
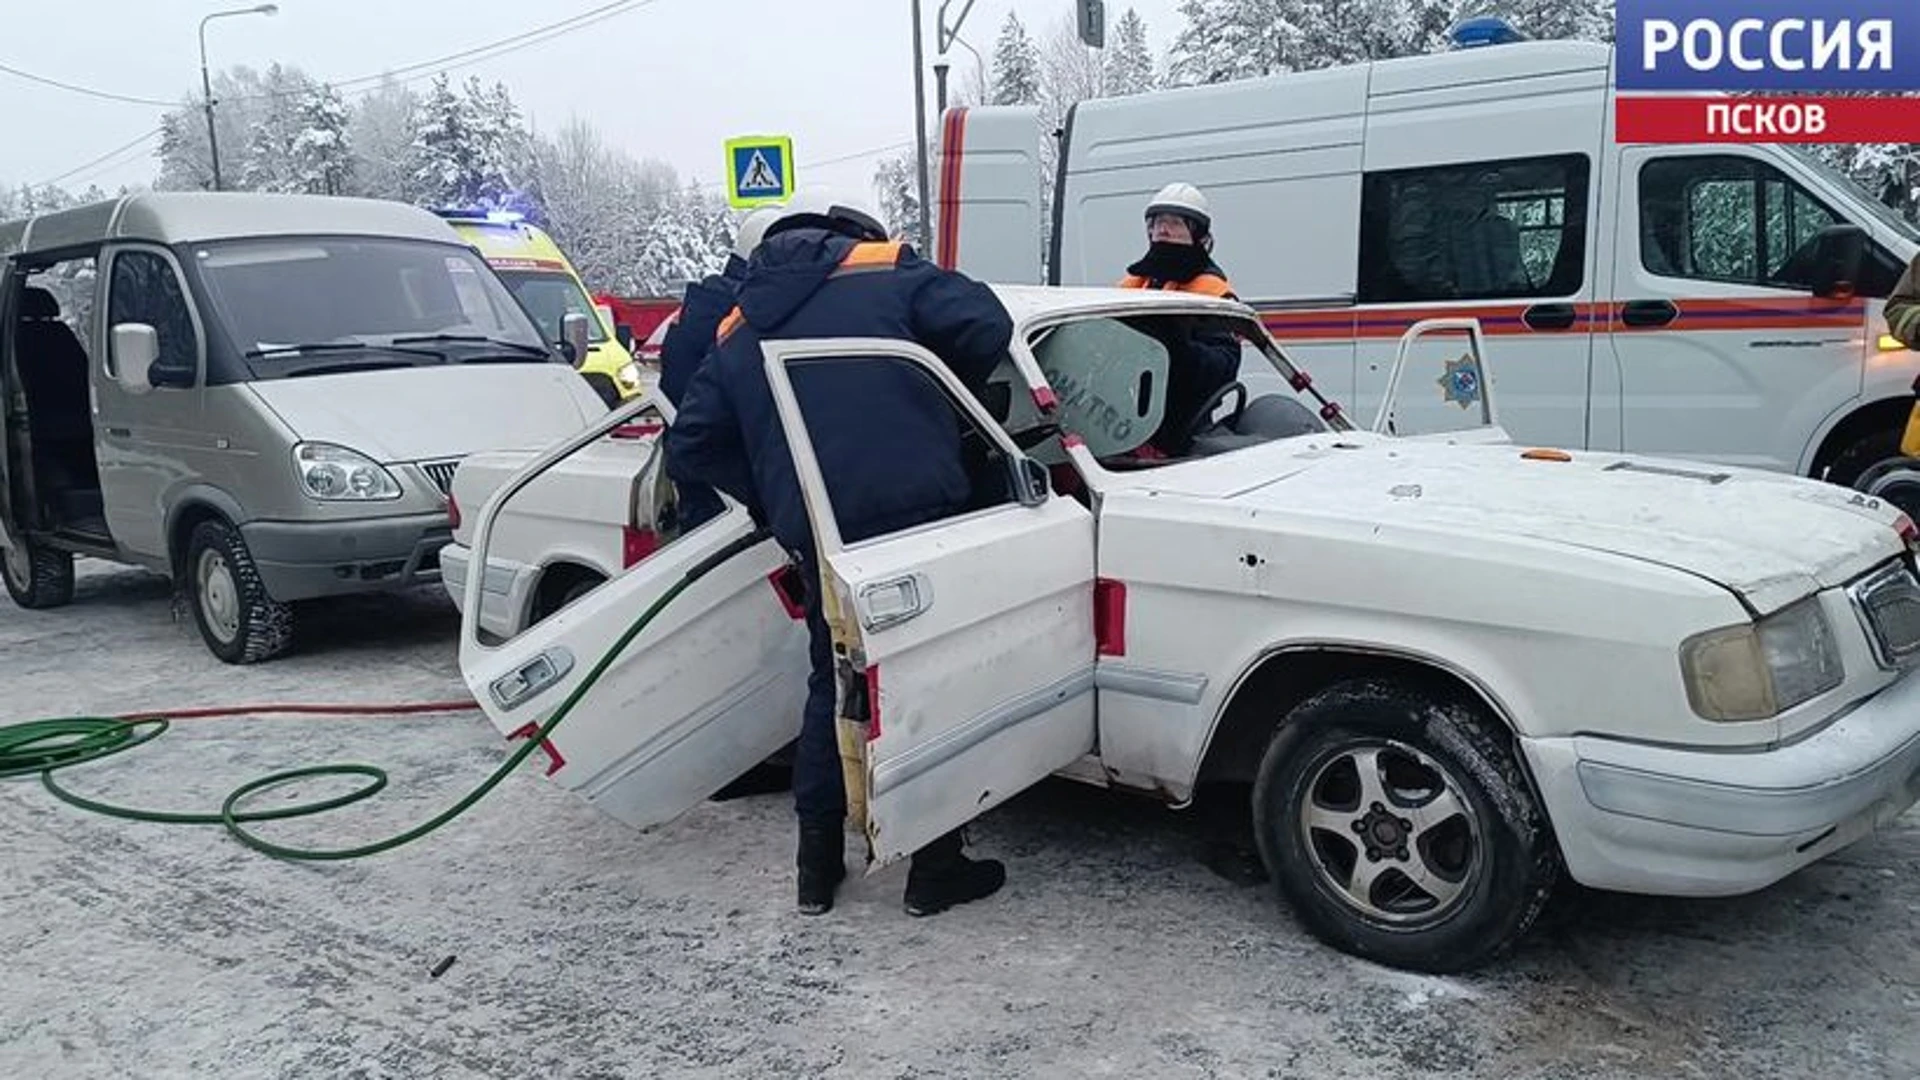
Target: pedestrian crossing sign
{"points": [[759, 170]]}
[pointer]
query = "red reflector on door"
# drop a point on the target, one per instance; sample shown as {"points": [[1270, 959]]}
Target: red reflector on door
{"points": [[1110, 617], [637, 544], [873, 702], [791, 591]]}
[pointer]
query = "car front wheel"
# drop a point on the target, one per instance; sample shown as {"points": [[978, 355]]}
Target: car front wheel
{"points": [[1399, 827], [39, 577]]}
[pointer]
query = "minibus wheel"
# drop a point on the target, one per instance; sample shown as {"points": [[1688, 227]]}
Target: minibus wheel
{"points": [[38, 577], [239, 621]]}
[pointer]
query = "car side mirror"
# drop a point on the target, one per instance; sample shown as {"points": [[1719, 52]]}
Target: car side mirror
{"points": [[624, 335], [1032, 482], [1839, 251], [573, 337], [136, 351]]}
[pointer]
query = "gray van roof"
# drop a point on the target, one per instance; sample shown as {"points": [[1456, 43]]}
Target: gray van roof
{"points": [[172, 217]]}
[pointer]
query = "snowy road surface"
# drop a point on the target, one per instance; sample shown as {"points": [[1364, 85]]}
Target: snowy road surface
{"points": [[584, 949]]}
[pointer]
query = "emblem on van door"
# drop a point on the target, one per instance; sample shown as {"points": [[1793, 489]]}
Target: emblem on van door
{"points": [[1460, 383]]}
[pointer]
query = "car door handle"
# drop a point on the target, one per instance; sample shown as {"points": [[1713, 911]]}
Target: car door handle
{"points": [[1648, 312], [894, 601], [1550, 316]]}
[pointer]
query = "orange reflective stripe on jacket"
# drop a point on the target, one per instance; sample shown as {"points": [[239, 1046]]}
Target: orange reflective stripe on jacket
{"points": [[1209, 284], [874, 255]]}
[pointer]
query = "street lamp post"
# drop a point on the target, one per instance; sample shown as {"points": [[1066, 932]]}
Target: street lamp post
{"points": [[206, 82]]}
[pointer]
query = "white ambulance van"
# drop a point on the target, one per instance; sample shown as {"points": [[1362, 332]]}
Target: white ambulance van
{"points": [[1718, 302]]}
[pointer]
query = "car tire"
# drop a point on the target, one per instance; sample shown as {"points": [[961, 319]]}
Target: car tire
{"points": [[38, 577], [1861, 455], [1440, 882], [549, 601], [240, 623]]}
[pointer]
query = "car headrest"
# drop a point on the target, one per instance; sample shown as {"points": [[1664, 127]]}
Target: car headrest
{"points": [[38, 303]]}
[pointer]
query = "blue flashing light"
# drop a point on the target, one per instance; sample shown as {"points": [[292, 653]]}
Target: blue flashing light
{"points": [[497, 217], [1482, 31]]}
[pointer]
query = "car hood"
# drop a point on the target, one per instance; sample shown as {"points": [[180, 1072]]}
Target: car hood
{"points": [[420, 414], [1771, 537]]}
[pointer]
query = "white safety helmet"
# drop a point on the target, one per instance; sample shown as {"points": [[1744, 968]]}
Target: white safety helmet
{"points": [[1185, 200], [752, 228], [829, 208]]}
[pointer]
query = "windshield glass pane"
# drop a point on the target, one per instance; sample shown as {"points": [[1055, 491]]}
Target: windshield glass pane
{"points": [[548, 296], [275, 294], [1142, 389], [1881, 211]]}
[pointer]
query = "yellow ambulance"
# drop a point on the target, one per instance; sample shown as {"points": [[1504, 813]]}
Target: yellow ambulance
{"points": [[548, 287]]}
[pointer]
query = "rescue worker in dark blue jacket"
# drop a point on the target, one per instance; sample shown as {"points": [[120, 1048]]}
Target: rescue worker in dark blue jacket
{"points": [[888, 445], [691, 337]]}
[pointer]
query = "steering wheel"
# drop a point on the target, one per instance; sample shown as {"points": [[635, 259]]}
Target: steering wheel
{"points": [[1203, 416]]}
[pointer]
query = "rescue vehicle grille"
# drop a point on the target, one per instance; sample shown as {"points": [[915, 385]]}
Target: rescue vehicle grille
{"points": [[441, 473], [1889, 603]]}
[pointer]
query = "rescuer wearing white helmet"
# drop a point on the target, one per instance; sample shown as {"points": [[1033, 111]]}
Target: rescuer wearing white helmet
{"points": [[1179, 258], [887, 443]]}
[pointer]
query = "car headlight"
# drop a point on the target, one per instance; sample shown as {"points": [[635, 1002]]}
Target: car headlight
{"points": [[1756, 671], [335, 473], [629, 375]]}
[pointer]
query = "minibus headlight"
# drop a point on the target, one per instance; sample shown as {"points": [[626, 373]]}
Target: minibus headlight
{"points": [[336, 474]]}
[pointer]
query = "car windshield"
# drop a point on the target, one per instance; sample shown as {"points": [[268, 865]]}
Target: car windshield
{"points": [[1156, 387], [374, 302], [548, 296], [1881, 211]]}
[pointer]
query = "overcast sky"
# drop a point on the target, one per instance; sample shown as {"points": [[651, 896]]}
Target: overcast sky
{"points": [[670, 79]]}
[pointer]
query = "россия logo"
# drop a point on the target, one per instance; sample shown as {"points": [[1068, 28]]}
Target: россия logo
{"points": [[1752, 70]]}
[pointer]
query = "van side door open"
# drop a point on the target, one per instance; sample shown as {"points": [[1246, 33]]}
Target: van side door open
{"points": [[971, 638]]}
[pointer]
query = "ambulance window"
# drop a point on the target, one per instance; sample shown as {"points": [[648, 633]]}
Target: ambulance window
{"points": [[1727, 218], [1490, 229]]}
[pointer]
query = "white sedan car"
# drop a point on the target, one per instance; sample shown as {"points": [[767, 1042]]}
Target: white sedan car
{"points": [[1450, 668]]}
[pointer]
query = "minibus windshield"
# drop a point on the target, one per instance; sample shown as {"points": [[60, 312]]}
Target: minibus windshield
{"points": [[362, 301]]}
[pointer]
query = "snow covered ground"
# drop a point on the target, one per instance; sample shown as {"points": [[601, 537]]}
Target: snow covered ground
{"points": [[581, 948]]}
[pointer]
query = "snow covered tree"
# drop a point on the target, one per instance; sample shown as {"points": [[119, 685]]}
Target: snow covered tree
{"points": [[299, 142], [467, 148], [380, 138], [1584, 20], [1129, 59], [896, 183], [243, 100], [1016, 66]]}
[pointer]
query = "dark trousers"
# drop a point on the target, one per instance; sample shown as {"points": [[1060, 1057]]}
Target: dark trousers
{"points": [[699, 504], [819, 789]]}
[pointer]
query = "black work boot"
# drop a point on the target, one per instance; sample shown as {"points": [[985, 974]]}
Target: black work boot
{"points": [[942, 877], [822, 864]]}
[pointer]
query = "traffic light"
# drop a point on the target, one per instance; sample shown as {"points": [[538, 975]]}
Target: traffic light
{"points": [[1092, 18]]}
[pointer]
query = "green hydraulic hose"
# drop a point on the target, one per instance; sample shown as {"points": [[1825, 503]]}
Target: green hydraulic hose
{"points": [[46, 746]]}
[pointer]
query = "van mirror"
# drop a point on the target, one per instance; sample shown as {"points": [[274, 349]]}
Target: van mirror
{"points": [[1838, 254], [136, 349], [624, 334], [573, 337]]}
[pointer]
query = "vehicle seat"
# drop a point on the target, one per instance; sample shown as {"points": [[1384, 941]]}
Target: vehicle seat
{"points": [[1484, 248], [1267, 418], [52, 365]]}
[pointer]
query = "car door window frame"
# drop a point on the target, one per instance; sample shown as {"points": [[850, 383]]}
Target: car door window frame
{"points": [[113, 255], [826, 524]]}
